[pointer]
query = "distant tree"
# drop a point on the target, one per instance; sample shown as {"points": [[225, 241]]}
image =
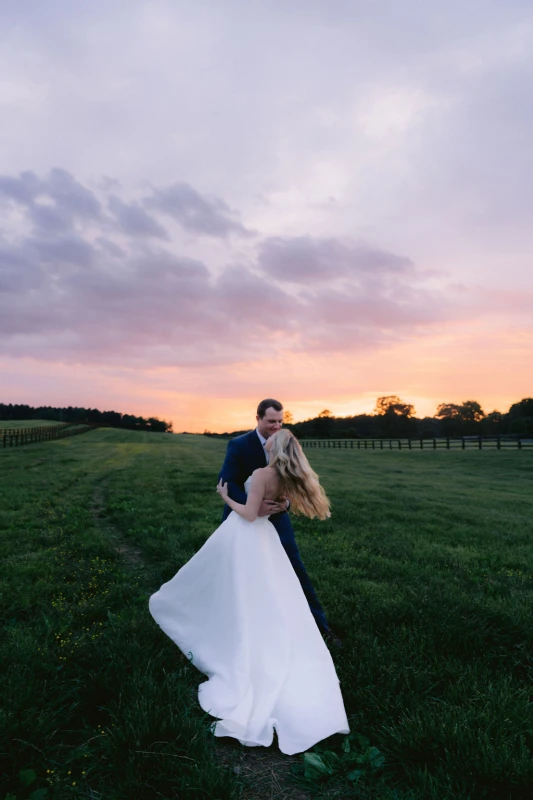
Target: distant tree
{"points": [[394, 417], [46, 413], [288, 418], [349, 433], [83, 415], [392, 405], [448, 411], [520, 417], [492, 423], [460, 419], [112, 418], [522, 409], [471, 411], [428, 428], [157, 425], [520, 425], [323, 424]]}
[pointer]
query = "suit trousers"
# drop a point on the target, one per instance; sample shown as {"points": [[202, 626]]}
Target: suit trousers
{"points": [[285, 531]]}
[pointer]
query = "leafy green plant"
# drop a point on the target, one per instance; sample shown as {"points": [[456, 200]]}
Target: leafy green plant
{"points": [[357, 761], [26, 778]]}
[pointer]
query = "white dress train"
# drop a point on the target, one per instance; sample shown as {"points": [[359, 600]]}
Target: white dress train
{"points": [[237, 610]]}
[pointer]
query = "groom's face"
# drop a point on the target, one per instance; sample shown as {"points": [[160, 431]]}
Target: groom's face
{"points": [[270, 423]]}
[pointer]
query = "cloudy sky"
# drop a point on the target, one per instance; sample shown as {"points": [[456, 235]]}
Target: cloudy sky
{"points": [[206, 203]]}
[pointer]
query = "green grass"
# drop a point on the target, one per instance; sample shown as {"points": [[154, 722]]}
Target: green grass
{"points": [[425, 570], [26, 423]]}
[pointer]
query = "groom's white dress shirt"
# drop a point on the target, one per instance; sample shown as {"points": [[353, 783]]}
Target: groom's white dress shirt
{"points": [[263, 442]]}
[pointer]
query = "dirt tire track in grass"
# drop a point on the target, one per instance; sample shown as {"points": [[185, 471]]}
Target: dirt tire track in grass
{"points": [[264, 772], [130, 554]]}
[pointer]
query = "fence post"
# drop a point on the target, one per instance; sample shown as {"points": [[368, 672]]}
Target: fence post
{"points": [[409, 444], [463, 443], [390, 444], [351, 444], [498, 443], [434, 444], [421, 443], [381, 444], [365, 444], [399, 444], [480, 440], [519, 442], [373, 445], [447, 443]]}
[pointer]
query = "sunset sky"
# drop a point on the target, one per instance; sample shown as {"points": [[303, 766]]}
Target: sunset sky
{"points": [[206, 203]]}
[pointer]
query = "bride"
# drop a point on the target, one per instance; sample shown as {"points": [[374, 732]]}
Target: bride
{"points": [[238, 611]]}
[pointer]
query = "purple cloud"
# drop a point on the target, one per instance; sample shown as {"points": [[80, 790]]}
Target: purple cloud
{"points": [[72, 195], [303, 259], [54, 203], [19, 273], [134, 220], [23, 189], [63, 250], [198, 214]]}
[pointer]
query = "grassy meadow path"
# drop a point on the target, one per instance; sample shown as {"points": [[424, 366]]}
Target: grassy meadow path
{"points": [[425, 570]]}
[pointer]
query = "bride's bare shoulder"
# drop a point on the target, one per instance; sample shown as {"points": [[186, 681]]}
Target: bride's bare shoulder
{"points": [[264, 473], [270, 474]]}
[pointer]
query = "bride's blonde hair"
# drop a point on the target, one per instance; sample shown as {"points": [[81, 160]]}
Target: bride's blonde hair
{"points": [[298, 481]]}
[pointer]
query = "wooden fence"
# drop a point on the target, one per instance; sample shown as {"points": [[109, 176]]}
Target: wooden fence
{"points": [[15, 437], [463, 443]]}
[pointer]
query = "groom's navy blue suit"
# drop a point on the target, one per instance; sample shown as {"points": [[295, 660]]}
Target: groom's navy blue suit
{"points": [[244, 455]]}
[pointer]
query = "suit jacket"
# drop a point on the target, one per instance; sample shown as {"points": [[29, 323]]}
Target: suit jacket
{"points": [[245, 454]]}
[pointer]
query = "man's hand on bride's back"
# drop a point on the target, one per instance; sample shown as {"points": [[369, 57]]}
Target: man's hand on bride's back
{"points": [[269, 507]]}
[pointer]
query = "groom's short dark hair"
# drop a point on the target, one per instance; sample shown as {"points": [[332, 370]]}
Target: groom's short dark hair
{"points": [[268, 403]]}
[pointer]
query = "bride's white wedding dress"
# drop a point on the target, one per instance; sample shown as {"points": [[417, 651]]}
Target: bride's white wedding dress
{"points": [[237, 610]]}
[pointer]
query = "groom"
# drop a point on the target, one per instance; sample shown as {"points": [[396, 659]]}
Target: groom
{"points": [[247, 453]]}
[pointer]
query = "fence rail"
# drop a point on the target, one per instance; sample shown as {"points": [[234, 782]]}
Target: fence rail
{"points": [[16, 437], [447, 443]]}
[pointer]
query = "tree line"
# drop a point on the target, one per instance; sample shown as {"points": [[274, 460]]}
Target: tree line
{"points": [[86, 416], [393, 418]]}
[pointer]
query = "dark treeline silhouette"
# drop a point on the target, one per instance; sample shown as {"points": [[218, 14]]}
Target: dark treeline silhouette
{"points": [[392, 418], [87, 416]]}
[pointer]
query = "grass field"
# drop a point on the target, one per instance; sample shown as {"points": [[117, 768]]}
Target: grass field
{"points": [[425, 570], [26, 423]]}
